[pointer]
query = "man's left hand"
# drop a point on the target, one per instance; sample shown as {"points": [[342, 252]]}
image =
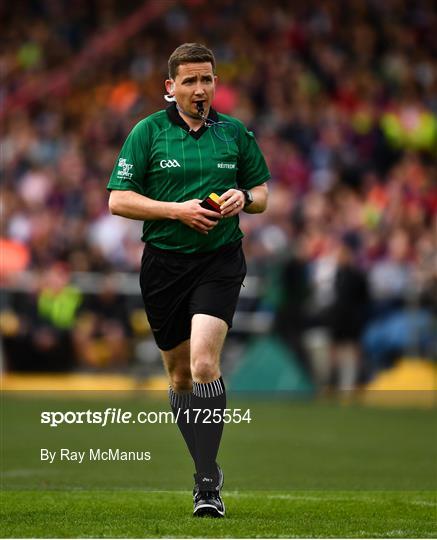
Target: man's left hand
{"points": [[231, 202]]}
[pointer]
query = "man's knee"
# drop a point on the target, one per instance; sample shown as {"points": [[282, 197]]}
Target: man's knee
{"points": [[181, 380], [205, 369], [177, 365]]}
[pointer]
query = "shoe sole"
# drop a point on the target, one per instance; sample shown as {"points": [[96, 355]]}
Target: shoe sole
{"points": [[208, 510]]}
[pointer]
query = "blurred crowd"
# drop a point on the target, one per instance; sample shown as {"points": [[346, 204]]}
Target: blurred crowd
{"points": [[342, 97]]}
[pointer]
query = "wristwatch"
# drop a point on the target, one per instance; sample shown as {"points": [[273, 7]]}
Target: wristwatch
{"points": [[248, 197]]}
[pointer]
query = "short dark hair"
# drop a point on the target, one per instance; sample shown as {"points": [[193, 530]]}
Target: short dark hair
{"points": [[189, 53]]}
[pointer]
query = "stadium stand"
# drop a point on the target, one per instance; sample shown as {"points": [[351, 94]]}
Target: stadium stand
{"points": [[342, 97]]}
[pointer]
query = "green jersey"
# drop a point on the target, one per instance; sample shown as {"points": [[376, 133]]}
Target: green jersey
{"points": [[166, 161]]}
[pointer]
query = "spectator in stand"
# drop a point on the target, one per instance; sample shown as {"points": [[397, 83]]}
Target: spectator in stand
{"points": [[102, 330], [399, 325], [347, 315], [39, 329]]}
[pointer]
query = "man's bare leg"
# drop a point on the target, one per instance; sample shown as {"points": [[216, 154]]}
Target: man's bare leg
{"points": [[177, 364], [207, 338]]}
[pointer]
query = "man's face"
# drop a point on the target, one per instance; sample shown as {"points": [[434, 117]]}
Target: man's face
{"points": [[194, 82]]}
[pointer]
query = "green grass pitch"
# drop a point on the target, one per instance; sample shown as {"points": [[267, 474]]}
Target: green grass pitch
{"points": [[300, 469], [142, 514]]}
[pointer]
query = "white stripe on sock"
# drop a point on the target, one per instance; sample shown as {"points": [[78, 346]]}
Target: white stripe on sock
{"points": [[181, 401], [208, 390]]}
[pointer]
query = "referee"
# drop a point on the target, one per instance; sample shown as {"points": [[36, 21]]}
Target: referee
{"points": [[193, 264]]}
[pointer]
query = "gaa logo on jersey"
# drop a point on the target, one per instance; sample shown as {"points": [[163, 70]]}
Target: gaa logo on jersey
{"points": [[164, 163]]}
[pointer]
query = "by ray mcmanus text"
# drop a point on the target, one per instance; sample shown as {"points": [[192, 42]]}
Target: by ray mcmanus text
{"points": [[93, 454]]}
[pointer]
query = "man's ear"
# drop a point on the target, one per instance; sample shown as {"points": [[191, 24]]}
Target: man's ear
{"points": [[169, 86]]}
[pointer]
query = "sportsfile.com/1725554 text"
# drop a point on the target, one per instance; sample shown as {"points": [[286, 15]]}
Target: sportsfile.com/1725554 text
{"points": [[112, 415]]}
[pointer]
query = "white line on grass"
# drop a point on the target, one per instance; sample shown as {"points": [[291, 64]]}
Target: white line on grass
{"points": [[424, 503], [321, 498]]}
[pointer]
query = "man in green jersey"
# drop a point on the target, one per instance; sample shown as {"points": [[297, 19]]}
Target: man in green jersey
{"points": [[193, 265]]}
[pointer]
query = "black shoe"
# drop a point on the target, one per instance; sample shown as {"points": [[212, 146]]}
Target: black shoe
{"points": [[208, 503], [219, 480]]}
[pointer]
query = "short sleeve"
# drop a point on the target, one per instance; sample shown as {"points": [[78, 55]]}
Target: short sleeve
{"points": [[131, 165], [252, 167]]}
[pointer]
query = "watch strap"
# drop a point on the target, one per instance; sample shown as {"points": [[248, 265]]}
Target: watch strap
{"points": [[248, 199]]}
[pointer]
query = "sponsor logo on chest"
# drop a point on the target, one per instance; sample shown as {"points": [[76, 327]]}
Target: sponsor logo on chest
{"points": [[226, 165]]}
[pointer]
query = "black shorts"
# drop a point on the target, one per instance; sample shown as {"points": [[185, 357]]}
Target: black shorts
{"points": [[175, 286]]}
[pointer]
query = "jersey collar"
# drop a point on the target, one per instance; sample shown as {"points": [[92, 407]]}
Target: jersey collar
{"points": [[177, 119]]}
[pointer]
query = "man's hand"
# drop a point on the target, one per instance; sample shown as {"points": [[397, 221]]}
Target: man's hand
{"points": [[232, 202], [194, 216]]}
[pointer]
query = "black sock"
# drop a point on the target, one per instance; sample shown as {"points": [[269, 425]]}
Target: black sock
{"points": [[206, 396], [182, 401]]}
